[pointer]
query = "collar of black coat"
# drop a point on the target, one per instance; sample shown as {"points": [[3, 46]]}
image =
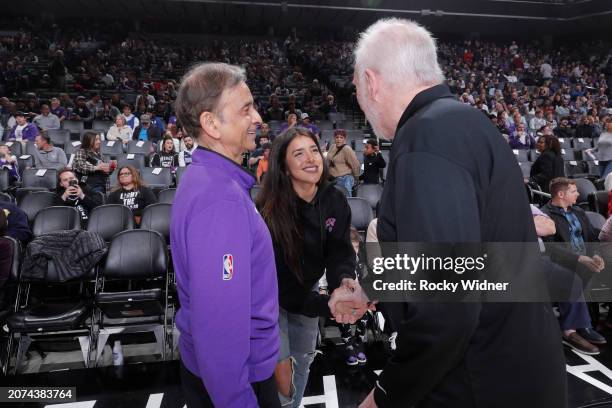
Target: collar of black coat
{"points": [[422, 99]]}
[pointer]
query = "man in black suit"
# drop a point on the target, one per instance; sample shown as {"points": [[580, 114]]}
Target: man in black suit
{"points": [[451, 179]]}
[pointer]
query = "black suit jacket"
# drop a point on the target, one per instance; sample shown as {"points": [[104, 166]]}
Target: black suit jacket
{"points": [[452, 178]]}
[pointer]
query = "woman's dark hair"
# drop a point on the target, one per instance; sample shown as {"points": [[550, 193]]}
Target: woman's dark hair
{"points": [[89, 138], [278, 202], [551, 143]]}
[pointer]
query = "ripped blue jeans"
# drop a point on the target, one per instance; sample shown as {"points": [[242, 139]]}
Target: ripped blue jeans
{"points": [[298, 341]]}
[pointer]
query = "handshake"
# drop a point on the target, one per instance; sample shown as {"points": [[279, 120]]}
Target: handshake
{"points": [[348, 302]]}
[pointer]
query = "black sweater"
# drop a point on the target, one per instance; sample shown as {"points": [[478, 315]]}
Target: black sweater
{"points": [[326, 248], [135, 200], [547, 166], [372, 164]]}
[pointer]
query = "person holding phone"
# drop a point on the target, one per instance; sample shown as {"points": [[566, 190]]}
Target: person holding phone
{"points": [[72, 194]]}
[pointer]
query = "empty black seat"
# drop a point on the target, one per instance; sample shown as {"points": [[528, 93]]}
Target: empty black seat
{"points": [[371, 193], [110, 219], [167, 195], [53, 219], [33, 202], [156, 217], [361, 213]]}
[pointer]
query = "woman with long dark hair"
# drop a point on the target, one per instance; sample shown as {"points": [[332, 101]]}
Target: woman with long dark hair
{"points": [[549, 164], [309, 220], [89, 164]]}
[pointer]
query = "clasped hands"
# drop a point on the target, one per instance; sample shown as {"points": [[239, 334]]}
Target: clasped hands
{"points": [[348, 303]]}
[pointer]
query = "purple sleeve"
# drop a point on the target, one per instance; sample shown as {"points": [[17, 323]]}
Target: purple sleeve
{"points": [[220, 301]]}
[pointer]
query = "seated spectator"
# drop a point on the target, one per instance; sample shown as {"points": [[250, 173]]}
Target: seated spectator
{"points": [[549, 164], [47, 156], [257, 154], [585, 129], [172, 128], [23, 131], [373, 163], [131, 192], [107, 111], [71, 193], [265, 131], [291, 122], [147, 132], [564, 130], [521, 139], [120, 130], [185, 155], [81, 112], [9, 161], [46, 120], [95, 103], [89, 166], [572, 227], [167, 157], [18, 226], [343, 163], [291, 109], [156, 121], [58, 110], [603, 151], [275, 110], [145, 98], [5, 257], [536, 123], [131, 120], [306, 123], [262, 165], [329, 106]]}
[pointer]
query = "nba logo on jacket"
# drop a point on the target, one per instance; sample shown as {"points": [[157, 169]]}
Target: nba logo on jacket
{"points": [[228, 266]]}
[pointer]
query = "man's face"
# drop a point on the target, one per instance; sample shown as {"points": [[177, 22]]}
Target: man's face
{"points": [[570, 196], [263, 140], [66, 178], [238, 120], [40, 143], [369, 108], [21, 120], [188, 140], [127, 111], [44, 110]]}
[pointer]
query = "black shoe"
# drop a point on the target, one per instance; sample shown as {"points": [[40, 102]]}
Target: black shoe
{"points": [[592, 336]]}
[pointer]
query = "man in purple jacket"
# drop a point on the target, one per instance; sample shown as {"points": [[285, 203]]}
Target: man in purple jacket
{"points": [[222, 250], [23, 130]]}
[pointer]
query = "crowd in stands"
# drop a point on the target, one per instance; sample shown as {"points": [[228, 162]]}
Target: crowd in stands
{"points": [[553, 108]]}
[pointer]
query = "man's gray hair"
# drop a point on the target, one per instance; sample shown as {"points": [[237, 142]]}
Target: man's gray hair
{"points": [[401, 51], [201, 90]]}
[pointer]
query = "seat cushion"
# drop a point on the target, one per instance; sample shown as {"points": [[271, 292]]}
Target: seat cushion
{"points": [[131, 304], [49, 317]]}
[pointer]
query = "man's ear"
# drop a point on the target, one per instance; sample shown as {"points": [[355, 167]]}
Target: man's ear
{"points": [[372, 83], [209, 124]]}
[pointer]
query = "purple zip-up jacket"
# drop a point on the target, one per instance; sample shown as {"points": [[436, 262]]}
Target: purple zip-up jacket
{"points": [[28, 133], [229, 309]]}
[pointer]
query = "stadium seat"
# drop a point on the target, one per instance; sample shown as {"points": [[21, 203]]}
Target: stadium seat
{"points": [[7, 198], [110, 219], [140, 147], [111, 148], [52, 315], [568, 154], [134, 256], [361, 213], [25, 161], [521, 155], [167, 195], [371, 193], [4, 179], [103, 125], [75, 127], [59, 137], [30, 148], [131, 159], [582, 143], [159, 181], [33, 202], [45, 178], [596, 219], [565, 143], [585, 187], [53, 219], [598, 202], [156, 217], [575, 168], [72, 147]]}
